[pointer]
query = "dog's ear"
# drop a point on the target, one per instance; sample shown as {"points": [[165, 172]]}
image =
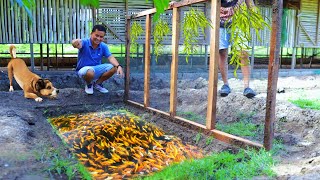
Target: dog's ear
{"points": [[40, 85]]}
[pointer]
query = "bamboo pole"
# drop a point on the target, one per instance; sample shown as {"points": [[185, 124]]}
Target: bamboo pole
{"points": [[175, 60], [74, 20], [54, 23], [213, 66], [66, 22], [2, 28], [9, 21], [46, 26], [78, 19], [32, 27], [50, 17], [40, 31], [39, 22], [15, 24], [147, 63], [62, 20], [70, 20], [82, 34], [24, 25], [273, 70]]}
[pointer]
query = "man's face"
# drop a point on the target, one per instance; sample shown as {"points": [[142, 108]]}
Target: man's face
{"points": [[97, 37]]}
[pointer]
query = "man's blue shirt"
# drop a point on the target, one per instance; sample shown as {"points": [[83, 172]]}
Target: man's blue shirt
{"points": [[87, 56]]}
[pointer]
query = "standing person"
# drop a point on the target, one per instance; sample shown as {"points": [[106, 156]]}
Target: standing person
{"points": [[89, 65], [226, 12]]}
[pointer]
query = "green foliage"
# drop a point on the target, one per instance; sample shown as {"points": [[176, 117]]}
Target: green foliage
{"points": [[161, 6], [57, 162], [92, 3], [193, 21], [27, 5], [136, 31], [244, 165], [242, 127], [243, 20], [198, 137], [209, 140], [190, 116], [307, 103], [239, 128], [161, 29]]}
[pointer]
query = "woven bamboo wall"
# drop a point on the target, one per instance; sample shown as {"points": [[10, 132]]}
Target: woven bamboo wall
{"points": [[54, 21]]}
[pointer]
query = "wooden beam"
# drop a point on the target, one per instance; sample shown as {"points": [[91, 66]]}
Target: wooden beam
{"points": [[127, 73], [273, 71], [174, 63], [175, 5], [147, 62], [224, 137], [213, 65]]}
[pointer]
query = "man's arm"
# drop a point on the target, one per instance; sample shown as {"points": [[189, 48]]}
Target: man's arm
{"points": [[77, 43], [115, 63]]}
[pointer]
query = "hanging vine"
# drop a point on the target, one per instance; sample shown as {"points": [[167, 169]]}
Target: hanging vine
{"points": [[136, 31], [243, 21], [193, 21], [161, 29]]}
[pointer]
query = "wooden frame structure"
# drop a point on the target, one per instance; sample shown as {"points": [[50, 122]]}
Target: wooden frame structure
{"points": [[209, 128]]}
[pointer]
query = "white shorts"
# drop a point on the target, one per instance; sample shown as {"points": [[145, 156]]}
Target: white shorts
{"points": [[98, 70], [224, 39]]}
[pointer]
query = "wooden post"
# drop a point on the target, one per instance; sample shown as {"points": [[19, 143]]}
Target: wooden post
{"points": [[147, 63], [174, 63], [127, 75], [273, 70], [213, 65]]}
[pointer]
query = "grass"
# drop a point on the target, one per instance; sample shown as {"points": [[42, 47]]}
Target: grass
{"points": [[61, 165], [307, 103], [244, 165], [242, 127], [191, 116]]}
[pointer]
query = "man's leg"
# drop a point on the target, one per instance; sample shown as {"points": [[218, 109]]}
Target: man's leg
{"points": [[105, 76], [88, 77], [224, 43], [87, 73], [245, 68], [223, 66], [103, 73]]}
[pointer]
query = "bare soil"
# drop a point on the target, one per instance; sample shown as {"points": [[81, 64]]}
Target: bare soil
{"points": [[26, 131]]}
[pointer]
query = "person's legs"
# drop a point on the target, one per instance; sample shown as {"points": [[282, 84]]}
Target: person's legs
{"points": [[223, 65], [245, 68], [87, 73], [224, 43], [105, 76], [103, 73]]}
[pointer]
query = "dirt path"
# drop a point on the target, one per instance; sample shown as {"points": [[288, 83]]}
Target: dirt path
{"points": [[26, 133]]}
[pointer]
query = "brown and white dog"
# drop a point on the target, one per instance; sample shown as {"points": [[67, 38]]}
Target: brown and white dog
{"points": [[32, 85]]}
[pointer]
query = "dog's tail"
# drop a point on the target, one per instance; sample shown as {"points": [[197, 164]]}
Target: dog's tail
{"points": [[13, 51]]}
